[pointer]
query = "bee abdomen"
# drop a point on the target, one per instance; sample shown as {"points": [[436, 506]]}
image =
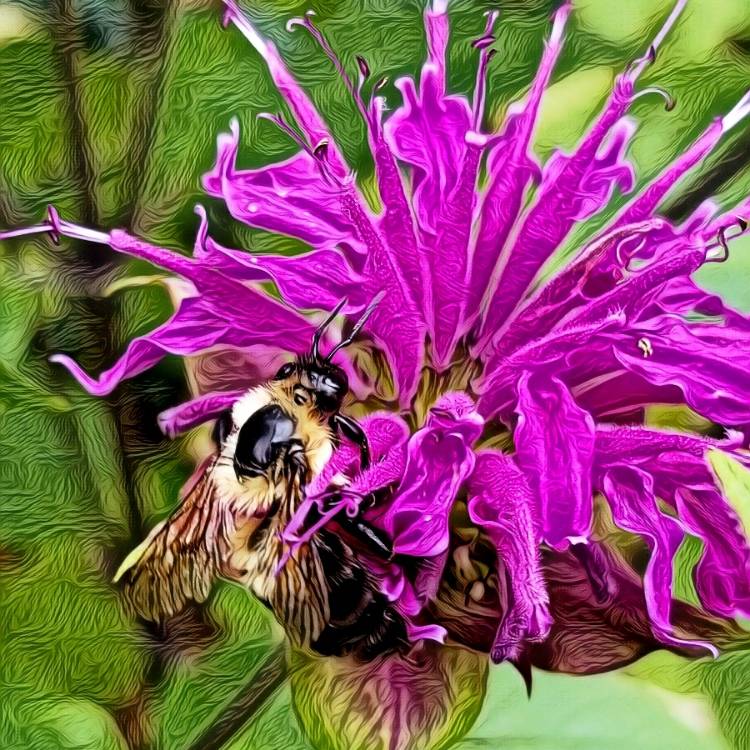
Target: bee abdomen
{"points": [[362, 621]]}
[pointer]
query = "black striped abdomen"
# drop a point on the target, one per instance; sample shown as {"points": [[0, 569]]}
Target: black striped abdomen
{"points": [[361, 622]]}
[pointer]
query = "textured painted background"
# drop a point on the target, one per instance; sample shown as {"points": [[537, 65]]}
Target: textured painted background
{"points": [[109, 109]]}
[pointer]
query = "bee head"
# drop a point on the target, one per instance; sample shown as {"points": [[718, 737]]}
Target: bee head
{"points": [[318, 376], [325, 383]]}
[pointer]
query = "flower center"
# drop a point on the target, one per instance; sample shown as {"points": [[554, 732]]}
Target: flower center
{"points": [[433, 384]]}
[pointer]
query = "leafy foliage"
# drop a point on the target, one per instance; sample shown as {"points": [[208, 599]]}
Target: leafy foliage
{"points": [[113, 117]]}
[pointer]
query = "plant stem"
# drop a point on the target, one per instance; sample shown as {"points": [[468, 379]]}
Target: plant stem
{"points": [[155, 22], [247, 702], [65, 31], [125, 409]]}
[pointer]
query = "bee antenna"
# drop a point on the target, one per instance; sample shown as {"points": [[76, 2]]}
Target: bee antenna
{"points": [[322, 327], [357, 327]]}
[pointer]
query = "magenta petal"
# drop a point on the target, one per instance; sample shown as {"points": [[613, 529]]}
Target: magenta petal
{"points": [[709, 363], [510, 168], [428, 130], [641, 288], [291, 197], [199, 324], [193, 328], [429, 133], [578, 351], [417, 518], [384, 472], [233, 264], [682, 296], [595, 271], [435, 633], [501, 502], [192, 413], [314, 280], [722, 577], [397, 225], [682, 477], [399, 332], [642, 445], [233, 301], [449, 251], [397, 324], [307, 116], [630, 493], [554, 441], [572, 188]]}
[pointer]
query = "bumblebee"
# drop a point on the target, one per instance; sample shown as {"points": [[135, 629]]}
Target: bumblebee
{"points": [[276, 438]]}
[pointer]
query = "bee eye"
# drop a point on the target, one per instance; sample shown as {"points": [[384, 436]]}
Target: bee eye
{"points": [[285, 371]]}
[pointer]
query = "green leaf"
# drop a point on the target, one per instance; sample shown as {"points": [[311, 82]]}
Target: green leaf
{"points": [[58, 721], [426, 701], [275, 726], [727, 682], [611, 712], [735, 484]]}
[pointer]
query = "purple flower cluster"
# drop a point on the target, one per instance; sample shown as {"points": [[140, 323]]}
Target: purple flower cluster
{"points": [[476, 345]]}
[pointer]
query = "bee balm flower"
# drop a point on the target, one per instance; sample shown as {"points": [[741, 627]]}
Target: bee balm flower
{"points": [[503, 407]]}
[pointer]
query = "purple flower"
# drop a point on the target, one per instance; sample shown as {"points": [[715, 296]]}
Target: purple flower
{"points": [[498, 407]]}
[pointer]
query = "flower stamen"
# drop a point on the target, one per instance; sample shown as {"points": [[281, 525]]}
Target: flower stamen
{"points": [[486, 54], [323, 43], [669, 100], [56, 228], [722, 240], [637, 66], [279, 121]]}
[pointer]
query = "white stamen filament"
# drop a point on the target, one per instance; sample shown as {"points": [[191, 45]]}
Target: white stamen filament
{"points": [[558, 26], [638, 68], [737, 113], [235, 15]]}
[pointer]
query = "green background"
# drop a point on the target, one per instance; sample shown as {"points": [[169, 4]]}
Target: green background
{"points": [[110, 110]]}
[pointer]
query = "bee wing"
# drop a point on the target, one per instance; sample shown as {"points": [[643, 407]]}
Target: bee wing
{"points": [[178, 561], [300, 597]]}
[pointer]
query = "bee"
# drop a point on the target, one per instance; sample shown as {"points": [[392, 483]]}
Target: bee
{"points": [[275, 439]]}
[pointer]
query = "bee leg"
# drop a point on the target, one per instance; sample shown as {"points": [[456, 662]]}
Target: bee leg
{"points": [[351, 429], [222, 427], [374, 539], [377, 496]]}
